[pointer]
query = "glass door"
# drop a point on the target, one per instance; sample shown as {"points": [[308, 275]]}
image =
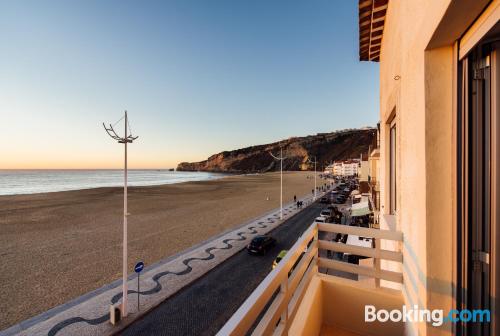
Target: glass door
{"points": [[477, 184]]}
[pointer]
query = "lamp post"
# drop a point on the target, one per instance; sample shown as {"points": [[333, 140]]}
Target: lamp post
{"points": [[281, 158], [127, 138], [315, 162]]}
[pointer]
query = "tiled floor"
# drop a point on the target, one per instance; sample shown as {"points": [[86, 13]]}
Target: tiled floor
{"points": [[327, 330]]}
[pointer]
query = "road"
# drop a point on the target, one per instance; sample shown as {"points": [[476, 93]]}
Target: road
{"points": [[203, 307]]}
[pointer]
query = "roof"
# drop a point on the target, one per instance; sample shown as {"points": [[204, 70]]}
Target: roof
{"points": [[371, 27]]}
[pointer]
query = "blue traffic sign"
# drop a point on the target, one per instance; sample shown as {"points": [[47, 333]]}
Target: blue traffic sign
{"points": [[139, 267]]}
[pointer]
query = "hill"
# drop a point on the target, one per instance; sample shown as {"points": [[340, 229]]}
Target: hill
{"points": [[326, 147]]}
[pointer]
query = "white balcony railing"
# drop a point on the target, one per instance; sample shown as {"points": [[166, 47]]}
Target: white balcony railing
{"points": [[272, 306]]}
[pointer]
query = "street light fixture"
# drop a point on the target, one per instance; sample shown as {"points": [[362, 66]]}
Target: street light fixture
{"points": [[281, 158], [127, 138]]}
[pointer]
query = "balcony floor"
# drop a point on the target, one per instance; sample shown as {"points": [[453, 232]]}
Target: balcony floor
{"points": [[327, 330]]}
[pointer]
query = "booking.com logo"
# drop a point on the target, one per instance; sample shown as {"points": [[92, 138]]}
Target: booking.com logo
{"points": [[436, 316]]}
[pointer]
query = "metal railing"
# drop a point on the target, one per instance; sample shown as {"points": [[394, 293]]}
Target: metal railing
{"points": [[272, 306]]}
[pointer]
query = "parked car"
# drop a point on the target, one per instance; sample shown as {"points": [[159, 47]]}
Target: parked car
{"points": [[340, 199], [327, 214], [261, 244], [280, 256]]}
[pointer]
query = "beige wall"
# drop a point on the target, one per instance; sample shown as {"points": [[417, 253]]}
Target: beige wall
{"points": [[422, 100], [363, 171], [340, 304]]}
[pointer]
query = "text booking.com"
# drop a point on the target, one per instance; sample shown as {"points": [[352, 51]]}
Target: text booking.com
{"points": [[436, 317]]}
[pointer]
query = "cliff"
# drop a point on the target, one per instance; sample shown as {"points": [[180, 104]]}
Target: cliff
{"points": [[327, 147]]}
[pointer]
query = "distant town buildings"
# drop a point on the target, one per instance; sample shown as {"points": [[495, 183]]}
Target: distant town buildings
{"points": [[344, 168]]}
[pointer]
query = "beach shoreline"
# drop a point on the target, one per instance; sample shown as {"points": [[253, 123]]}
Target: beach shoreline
{"points": [[42, 181], [57, 246]]}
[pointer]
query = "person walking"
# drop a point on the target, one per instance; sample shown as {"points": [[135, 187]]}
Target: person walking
{"points": [[294, 198]]}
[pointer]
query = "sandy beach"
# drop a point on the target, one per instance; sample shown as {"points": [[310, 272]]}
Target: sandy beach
{"points": [[57, 246]]}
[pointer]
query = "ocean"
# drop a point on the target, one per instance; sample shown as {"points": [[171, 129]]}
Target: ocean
{"points": [[14, 182]]}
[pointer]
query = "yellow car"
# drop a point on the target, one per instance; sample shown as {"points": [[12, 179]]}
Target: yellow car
{"points": [[280, 256]]}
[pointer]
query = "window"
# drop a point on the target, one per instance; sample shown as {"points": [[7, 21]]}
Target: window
{"points": [[477, 184], [392, 169]]}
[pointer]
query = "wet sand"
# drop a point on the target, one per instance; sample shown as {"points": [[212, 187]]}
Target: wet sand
{"points": [[57, 246]]}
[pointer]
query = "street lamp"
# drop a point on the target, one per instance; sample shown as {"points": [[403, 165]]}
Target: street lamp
{"points": [[124, 140], [315, 161], [281, 158]]}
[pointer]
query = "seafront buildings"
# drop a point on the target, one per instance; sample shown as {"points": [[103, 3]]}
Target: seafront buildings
{"points": [[343, 168], [436, 173]]}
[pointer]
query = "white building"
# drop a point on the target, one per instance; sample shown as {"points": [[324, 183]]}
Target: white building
{"points": [[346, 168]]}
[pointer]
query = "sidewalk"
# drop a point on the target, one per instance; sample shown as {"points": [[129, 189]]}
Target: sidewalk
{"points": [[89, 314]]}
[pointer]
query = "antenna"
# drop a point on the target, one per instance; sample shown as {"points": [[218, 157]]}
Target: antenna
{"points": [[127, 138], [281, 158]]}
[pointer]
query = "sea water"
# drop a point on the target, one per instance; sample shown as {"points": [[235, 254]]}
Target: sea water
{"points": [[13, 182]]}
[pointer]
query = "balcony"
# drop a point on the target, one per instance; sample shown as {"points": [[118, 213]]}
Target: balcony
{"points": [[310, 293]]}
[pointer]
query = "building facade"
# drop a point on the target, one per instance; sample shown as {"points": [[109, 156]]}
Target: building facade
{"points": [[364, 169], [439, 124], [346, 168], [374, 174]]}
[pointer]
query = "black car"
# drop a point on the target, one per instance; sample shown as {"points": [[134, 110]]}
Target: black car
{"points": [[261, 244], [324, 200]]}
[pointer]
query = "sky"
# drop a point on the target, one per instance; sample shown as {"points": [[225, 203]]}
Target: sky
{"points": [[197, 77]]}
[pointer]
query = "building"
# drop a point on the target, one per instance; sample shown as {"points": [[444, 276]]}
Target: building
{"points": [[437, 247], [363, 170], [374, 173], [345, 168], [328, 170]]}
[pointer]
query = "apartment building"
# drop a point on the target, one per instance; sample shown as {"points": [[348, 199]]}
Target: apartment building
{"points": [[363, 168], [346, 168], [437, 247], [439, 150], [374, 173]]}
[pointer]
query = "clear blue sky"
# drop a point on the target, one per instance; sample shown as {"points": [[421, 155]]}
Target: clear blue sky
{"points": [[197, 77]]}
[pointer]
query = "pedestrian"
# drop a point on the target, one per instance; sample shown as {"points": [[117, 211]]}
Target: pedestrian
{"points": [[294, 198]]}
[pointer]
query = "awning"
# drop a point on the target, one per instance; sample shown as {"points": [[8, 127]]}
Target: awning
{"points": [[360, 212], [360, 209]]}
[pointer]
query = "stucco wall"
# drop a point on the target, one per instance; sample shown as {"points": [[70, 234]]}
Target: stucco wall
{"points": [[421, 96]]}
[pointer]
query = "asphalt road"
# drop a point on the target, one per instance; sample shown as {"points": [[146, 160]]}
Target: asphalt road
{"points": [[204, 306]]}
